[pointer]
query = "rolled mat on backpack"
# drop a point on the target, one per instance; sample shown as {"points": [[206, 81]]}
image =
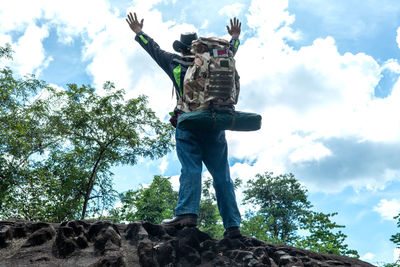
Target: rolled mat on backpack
{"points": [[219, 120]]}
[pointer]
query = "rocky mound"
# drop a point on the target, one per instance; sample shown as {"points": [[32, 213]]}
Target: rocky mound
{"points": [[102, 243]]}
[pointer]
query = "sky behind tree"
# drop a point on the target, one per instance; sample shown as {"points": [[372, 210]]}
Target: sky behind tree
{"points": [[324, 75]]}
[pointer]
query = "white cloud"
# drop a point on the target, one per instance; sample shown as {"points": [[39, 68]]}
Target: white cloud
{"points": [[308, 96], [348, 19], [398, 37], [29, 54], [71, 21], [388, 208], [175, 182], [309, 152], [392, 65], [114, 55], [69, 18], [232, 10], [205, 24], [18, 14], [163, 164], [396, 254], [367, 256]]}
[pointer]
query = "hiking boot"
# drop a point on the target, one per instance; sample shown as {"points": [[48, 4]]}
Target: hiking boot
{"points": [[180, 221], [232, 232]]}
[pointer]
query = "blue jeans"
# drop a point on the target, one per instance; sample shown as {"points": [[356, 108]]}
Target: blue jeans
{"points": [[193, 148]]}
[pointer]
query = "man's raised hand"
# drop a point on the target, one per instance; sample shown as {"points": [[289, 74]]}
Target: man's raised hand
{"points": [[134, 24], [234, 30]]}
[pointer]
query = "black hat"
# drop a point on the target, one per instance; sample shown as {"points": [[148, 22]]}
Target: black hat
{"points": [[185, 43]]}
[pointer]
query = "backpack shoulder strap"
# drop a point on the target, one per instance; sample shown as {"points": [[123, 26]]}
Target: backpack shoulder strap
{"points": [[184, 62]]}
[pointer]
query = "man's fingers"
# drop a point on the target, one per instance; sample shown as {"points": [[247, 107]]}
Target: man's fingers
{"points": [[135, 17], [130, 17], [240, 25]]}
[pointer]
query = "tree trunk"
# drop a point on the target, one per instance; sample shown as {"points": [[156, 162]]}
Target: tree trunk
{"points": [[90, 186]]}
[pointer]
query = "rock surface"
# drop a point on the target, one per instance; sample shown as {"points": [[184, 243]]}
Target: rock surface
{"points": [[102, 243]]}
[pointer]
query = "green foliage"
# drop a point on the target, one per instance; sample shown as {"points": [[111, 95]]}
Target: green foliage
{"points": [[284, 212], [395, 264], [57, 146], [255, 225], [282, 201], [209, 219], [104, 131], [151, 204], [25, 131], [396, 237], [6, 51], [321, 237]]}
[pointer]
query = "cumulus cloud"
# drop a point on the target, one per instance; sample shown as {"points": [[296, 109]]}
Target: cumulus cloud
{"points": [[388, 208], [175, 182], [313, 99], [367, 256], [231, 10], [396, 254], [163, 165], [348, 19], [71, 19], [17, 15], [29, 53], [392, 65], [351, 164], [114, 55]]}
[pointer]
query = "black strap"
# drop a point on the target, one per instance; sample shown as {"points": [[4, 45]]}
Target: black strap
{"points": [[214, 115], [233, 119], [182, 62]]}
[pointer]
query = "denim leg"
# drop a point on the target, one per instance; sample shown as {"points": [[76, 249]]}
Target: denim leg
{"points": [[215, 157], [189, 154]]}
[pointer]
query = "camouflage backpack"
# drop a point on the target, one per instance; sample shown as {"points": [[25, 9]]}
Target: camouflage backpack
{"points": [[211, 82]]}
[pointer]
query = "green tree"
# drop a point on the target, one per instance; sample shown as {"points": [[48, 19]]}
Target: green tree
{"points": [[255, 225], [25, 131], [396, 238], [6, 51], [284, 212], [104, 131], [209, 220], [57, 146], [151, 204], [323, 235], [282, 201], [395, 264]]}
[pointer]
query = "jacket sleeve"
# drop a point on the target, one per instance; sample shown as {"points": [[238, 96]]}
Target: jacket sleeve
{"points": [[160, 56], [234, 45]]}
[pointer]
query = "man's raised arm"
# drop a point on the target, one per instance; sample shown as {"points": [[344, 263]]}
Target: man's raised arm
{"points": [[234, 31], [163, 58]]}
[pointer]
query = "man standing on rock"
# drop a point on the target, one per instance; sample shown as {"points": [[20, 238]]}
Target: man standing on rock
{"points": [[195, 147]]}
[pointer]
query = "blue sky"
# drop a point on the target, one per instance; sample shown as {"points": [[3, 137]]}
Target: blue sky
{"points": [[324, 75]]}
